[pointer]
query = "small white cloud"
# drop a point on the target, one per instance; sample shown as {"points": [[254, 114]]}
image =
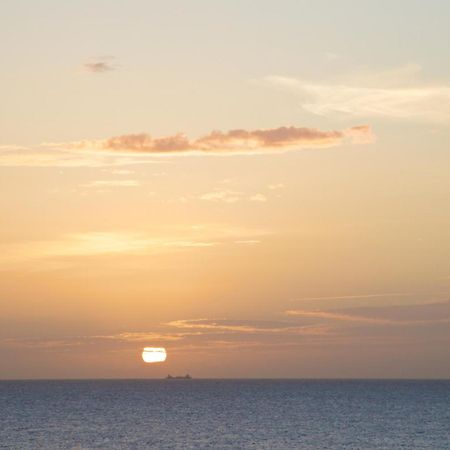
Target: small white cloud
{"points": [[227, 196], [258, 198], [111, 183], [120, 171], [274, 187], [332, 56]]}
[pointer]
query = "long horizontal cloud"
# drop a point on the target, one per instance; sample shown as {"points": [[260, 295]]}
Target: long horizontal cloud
{"points": [[234, 141], [14, 156], [407, 324], [409, 315], [244, 326]]}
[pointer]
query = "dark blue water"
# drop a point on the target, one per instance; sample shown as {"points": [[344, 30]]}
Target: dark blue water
{"points": [[224, 414]]}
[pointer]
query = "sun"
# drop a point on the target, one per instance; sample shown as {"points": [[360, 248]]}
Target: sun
{"points": [[154, 354]]}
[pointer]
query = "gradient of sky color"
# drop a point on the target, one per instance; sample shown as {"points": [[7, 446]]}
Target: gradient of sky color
{"points": [[312, 242]]}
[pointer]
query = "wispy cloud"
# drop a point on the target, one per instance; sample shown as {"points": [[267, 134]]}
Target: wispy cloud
{"points": [[94, 244], [91, 244], [14, 156], [230, 142], [275, 186], [340, 317], [406, 323], [244, 326], [120, 171], [209, 333], [356, 296], [111, 183], [387, 94], [260, 198], [230, 196], [99, 65], [226, 195], [378, 315]]}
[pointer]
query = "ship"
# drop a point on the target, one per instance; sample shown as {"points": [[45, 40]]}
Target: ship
{"points": [[186, 377]]}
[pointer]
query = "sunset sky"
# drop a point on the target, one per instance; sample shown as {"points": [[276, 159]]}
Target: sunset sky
{"points": [[261, 188]]}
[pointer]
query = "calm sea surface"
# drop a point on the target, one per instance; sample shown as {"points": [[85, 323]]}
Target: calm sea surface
{"points": [[224, 414]]}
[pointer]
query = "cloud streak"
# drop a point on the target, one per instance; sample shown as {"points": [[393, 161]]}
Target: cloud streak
{"points": [[230, 196], [344, 317], [372, 97], [237, 141], [238, 326], [376, 325], [14, 156], [111, 183], [22, 254], [357, 296]]}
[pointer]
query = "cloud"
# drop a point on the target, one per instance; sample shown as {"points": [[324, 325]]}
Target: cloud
{"points": [[51, 253], [95, 244], [14, 156], [275, 186], [238, 141], [120, 171], [260, 198], [344, 297], [387, 94], [220, 326], [111, 183], [230, 196], [340, 317], [401, 324], [404, 315], [144, 336], [227, 196], [208, 333], [99, 65], [139, 148]]}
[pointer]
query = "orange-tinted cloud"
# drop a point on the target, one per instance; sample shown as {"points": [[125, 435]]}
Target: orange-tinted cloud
{"points": [[234, 141]]}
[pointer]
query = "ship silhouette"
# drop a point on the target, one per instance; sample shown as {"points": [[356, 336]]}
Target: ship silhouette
{"points": [[186, 377]]}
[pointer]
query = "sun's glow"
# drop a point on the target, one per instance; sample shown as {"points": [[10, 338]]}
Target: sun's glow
{"points": [[153, 354]]}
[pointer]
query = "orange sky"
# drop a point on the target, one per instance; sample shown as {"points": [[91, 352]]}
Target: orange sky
{"points": [[262, 195]]}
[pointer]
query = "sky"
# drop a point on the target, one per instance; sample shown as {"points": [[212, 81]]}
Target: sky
{"points": [[260, 188]]}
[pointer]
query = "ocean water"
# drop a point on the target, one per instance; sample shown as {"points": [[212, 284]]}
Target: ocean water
{"points": [[224, 414]]}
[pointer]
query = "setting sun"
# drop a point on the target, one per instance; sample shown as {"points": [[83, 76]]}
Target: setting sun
{"points": [[154, 355]]}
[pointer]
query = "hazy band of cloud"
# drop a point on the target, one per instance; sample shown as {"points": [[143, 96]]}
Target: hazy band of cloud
{"points": [[385, 94], [346, 297], [329, 315], [230, 142], [230, 196], [15, 156], [111, 183], [18, 255], [406, 323]]}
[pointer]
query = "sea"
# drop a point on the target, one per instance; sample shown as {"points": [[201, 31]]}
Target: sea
{"points": [[225, 414]]}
